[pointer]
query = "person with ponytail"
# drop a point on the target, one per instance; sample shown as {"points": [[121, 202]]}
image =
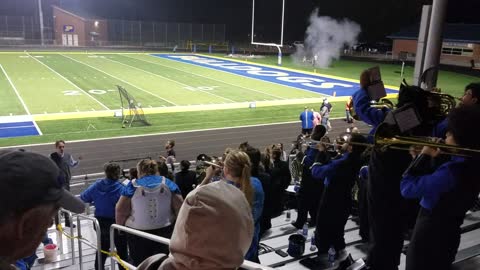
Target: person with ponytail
{"points": [[237, 172], [151, 204]]}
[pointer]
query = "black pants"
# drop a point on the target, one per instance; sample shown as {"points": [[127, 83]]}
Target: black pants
{"points": [[120, 241], [66, 186], [308, 197], [332, 216], [141, 248], [363, 209], [434, 242], [386, 234]]}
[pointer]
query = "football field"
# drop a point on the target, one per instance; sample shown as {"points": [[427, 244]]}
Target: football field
{"points": [[39, 86], [53, 83]]}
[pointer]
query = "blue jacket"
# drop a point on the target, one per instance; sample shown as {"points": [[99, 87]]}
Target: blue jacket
{"points": [[327, 171], [307, 119], [431, 186], [149, 181], [105, 194], [257, 210], [440, 131], [369, 115]]}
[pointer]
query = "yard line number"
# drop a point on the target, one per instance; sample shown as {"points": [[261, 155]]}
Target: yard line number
{"points": [[93, 91]]}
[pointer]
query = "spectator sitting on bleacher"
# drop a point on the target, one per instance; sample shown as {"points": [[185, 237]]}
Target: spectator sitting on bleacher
{"points": [[281, 177], [135, 205], [213, 231], [104, 194], [132, 175], [237, 172], [185, 179], [255, 156], [164, 171], [31, 198]]}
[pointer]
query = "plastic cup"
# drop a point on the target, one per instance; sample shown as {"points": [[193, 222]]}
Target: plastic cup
{"points": [[50, 252]]}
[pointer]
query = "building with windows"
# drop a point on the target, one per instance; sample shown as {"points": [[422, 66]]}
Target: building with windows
{"points": [[461, 42]]}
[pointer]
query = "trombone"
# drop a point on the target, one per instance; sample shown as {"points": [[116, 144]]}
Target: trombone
{"points": [[386, 141]]}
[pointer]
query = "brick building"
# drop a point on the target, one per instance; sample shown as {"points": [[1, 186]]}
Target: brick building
{"points": [[461, 42], [74, 30]]}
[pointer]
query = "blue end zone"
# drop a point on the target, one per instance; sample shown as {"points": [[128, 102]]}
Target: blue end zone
{"points": [[18, 129], [313, 83]]}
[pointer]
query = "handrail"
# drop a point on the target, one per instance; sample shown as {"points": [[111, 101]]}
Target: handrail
{"points": [[72, 241], [96, 225], [246, 264]]}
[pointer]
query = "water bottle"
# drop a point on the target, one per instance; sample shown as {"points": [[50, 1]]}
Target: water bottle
{"points": [[313, 247], [305, 230], [331, 256], [287, 216]]}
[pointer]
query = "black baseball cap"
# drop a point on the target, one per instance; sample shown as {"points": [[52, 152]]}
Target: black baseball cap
{"points": [[29, 179]]}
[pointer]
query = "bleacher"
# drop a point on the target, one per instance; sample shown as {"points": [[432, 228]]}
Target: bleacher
{"points": [[80, 254]]}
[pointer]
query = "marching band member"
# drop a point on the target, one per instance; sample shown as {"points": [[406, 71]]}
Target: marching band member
{"points": [[385, 203], [339, 176], [446, 195]]}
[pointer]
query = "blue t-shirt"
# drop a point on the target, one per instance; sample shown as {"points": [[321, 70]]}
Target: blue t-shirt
{"points": [[149, 181], [307, 119], [105, 194]]}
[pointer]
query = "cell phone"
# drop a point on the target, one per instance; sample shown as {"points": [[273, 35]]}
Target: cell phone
{"points": [[281, 253]]}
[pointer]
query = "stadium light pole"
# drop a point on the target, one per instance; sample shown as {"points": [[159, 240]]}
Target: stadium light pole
{"points": [[40, 17]]}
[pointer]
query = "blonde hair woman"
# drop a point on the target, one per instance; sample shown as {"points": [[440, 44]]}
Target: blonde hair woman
{"points": [[237, 171], [150, 204]]}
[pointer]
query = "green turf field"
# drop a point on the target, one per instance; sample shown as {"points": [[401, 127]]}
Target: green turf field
{"points": [[56, 84]]}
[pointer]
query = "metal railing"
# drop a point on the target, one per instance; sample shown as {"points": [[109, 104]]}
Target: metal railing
{"points": [[71, 236], [81, 240], [246, 264]]}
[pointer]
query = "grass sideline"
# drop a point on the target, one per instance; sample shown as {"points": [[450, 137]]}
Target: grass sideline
{"points": [[107, 127]]}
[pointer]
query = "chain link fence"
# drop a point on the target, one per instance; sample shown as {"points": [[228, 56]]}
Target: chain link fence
{"points": [[24, 30]]}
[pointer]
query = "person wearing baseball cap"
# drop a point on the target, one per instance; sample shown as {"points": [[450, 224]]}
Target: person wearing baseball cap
{"points": [[31, 197]]}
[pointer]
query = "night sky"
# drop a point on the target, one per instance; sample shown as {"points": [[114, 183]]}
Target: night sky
{"points": [[378, 18]]}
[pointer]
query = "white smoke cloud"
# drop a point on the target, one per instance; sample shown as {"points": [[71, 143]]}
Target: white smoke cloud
{"points": [[326, 38]]}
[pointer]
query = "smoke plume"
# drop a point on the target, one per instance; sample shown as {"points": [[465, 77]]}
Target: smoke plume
{"points": [[326, 38]]}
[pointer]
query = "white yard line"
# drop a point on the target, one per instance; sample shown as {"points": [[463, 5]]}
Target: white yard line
{"points": [[21, 100], [76, 86], [146, 91], [177, 82], [16, 91], [249, 89]]}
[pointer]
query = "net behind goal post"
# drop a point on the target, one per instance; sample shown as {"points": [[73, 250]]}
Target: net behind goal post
{"points": [[131, 110], [278, 46]]}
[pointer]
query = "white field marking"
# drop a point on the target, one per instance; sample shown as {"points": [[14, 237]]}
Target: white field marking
{"points": [[16, 91], [146, 91], [17, 127], [76, 86], [253, 90], [177, 82]]}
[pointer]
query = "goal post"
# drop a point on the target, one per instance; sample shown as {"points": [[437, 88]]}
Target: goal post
{"points": [[278, 46]]}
